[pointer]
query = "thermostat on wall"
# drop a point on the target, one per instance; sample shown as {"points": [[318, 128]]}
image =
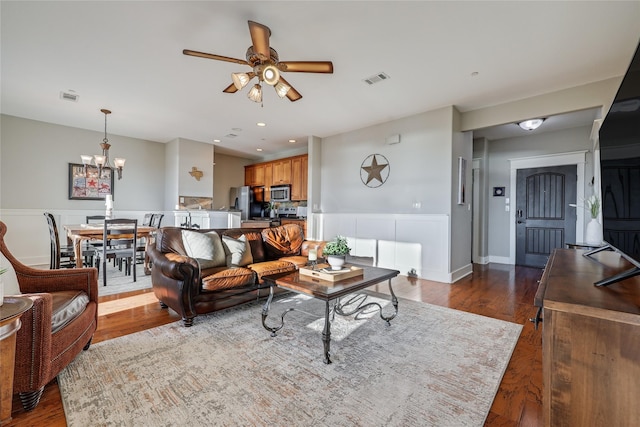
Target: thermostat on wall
{"points": [[498, 191]]}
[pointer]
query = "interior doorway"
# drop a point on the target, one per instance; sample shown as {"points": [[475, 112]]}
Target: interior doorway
{"points": [[577, 158], [544, 219]]}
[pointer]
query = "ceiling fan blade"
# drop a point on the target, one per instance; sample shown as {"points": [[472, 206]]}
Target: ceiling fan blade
{"points": [[260, 38], [212, 56], [307, 66], [293, 94], [230, 89]]}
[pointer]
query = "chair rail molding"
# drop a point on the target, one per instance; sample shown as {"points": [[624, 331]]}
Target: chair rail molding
{"points": [[403, 242]]}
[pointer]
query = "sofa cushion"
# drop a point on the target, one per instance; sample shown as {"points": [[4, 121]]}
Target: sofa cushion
{"points": [[66, 306], [228, 278], [205, 247], [255, 241], [297, 260], [271, 267], [238, 251], [283, 240]]}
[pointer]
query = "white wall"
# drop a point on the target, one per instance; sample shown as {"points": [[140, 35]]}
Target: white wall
{"points": [[34, 165], [501, 151], [412, 221], [460, 233], [420, 167], [171, 168], [199, 155]]}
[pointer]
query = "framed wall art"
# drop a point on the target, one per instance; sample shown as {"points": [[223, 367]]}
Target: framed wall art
{"points": [[88, 185]]}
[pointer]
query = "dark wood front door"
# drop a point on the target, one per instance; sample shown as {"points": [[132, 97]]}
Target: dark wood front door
{"points": [[544, 219]]}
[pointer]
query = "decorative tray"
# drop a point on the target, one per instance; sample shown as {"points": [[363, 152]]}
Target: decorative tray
{"points": [[324, 272]]}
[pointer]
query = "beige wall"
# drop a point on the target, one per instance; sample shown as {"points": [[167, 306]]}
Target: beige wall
{"points": [[228, 172]]}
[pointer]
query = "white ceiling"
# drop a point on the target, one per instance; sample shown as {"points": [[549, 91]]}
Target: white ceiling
{"points": [[127, 57]]}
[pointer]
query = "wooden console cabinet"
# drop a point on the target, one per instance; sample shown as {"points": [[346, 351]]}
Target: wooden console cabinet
{"points": [[590, 341]]}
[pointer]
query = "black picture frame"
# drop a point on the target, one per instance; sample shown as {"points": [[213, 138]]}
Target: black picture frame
{"points": [[498, 192], [87, 185]]}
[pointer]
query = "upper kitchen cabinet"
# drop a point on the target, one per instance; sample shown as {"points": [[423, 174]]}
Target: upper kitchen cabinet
{"points": [[289, 171], [281, 171], [254, 175], [299, 170]]}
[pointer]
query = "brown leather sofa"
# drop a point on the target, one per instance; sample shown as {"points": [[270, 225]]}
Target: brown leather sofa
{"points": [[191, 287]]}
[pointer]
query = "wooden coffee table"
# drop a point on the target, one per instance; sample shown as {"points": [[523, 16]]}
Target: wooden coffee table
{"points": [[328, 291]]}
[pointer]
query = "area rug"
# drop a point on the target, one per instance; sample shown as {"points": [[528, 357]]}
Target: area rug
{"points": [[433, 366], [118, 282]]}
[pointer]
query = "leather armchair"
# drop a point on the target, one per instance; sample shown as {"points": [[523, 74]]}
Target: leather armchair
{"points": [[58, 327]]}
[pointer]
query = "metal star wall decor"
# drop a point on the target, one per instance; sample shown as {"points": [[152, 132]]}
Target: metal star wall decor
{"points": [[374, 170]]}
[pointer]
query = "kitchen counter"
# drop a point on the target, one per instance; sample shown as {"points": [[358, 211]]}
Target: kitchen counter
{"points": [[260, 223]]}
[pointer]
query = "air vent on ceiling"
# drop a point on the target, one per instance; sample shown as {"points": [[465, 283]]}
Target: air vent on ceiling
{"points": [[67, 96], [376, 78], [230, 135]]}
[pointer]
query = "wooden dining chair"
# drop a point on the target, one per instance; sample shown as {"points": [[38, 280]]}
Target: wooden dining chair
{"points": [[154, 220], [62, 256], [119, 241]]}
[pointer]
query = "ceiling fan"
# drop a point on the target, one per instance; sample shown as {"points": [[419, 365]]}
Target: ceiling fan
{"points": [[266, 66]]}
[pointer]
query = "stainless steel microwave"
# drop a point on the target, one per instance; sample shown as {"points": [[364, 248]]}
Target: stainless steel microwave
{"points": [[281, 193]]}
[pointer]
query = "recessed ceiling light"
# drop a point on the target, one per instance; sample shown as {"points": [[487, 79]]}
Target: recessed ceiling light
{"points": [[531, 124], [261, 124], [258, 149], [216, 140], [292, 140]]}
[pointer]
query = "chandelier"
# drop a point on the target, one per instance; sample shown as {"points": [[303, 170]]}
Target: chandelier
{"points": [[102, 160]]}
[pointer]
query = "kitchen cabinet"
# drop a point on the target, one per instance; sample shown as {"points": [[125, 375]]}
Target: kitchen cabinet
{"points": [[590, 341], [248, 174], [281, 171], [258, 175], [299, 178], [268, 179], [254, 175], [289, 171]]}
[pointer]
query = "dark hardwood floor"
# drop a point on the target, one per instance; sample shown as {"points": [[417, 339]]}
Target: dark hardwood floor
{"points": [[495, 290]]}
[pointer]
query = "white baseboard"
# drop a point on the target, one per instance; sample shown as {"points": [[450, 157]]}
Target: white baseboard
{"points": [[500, 259], [458, 274]]}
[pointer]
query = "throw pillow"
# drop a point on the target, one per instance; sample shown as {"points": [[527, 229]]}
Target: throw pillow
{"points": [[284, 240], [205, 247], [238, 251]]}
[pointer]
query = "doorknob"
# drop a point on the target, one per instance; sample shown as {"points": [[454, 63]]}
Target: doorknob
{"points": [[520, 222]]}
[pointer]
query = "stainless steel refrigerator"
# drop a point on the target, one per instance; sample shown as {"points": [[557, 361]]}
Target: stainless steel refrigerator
{"points": [[240, 199]]}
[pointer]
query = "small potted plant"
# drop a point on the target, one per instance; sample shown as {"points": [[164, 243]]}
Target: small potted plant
{"points": [[336, 252]]}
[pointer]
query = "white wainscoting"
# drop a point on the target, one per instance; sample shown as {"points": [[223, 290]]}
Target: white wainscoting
{"points": [[399, 241], [28, 234]]}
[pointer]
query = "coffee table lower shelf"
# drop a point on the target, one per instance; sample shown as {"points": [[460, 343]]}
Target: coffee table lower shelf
{"points": [[329, 291]]}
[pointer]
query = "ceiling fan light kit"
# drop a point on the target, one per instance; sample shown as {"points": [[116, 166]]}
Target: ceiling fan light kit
{"points": [[282, 89], [270, 75], [266, 66], [255, 94], [240, 80]]}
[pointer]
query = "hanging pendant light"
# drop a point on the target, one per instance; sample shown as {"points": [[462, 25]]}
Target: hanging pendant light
{"points": [[102, 160]]}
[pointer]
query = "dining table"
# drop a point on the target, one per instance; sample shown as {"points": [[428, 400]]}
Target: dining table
{"points": [[77, 233]]}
